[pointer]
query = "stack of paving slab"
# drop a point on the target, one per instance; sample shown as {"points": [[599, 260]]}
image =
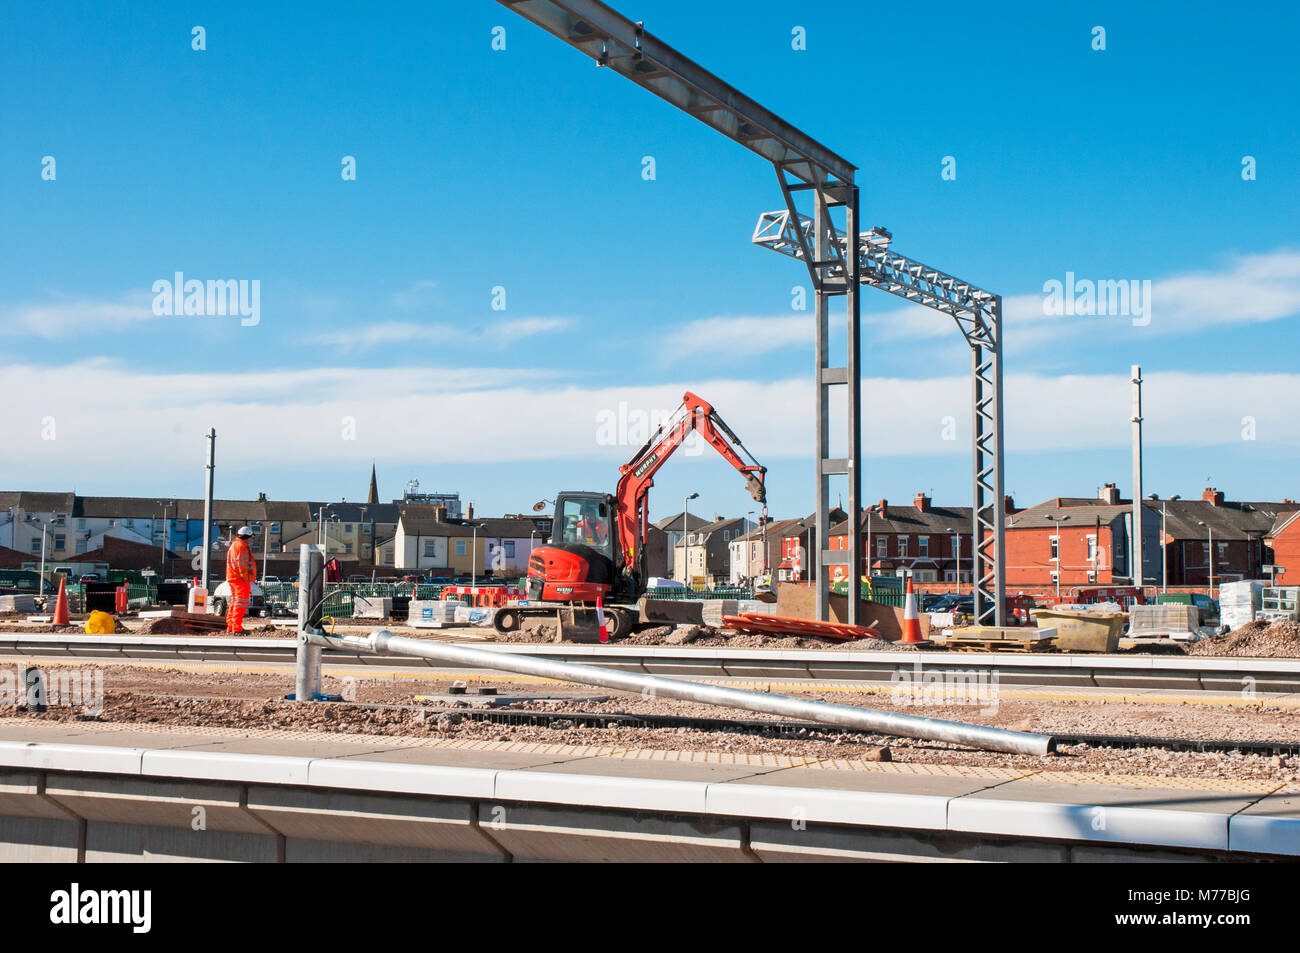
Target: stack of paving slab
{"points": [[1239, 601], [18, 603], [431, 613], [715, 609], [1170, 620], [372, 607]]}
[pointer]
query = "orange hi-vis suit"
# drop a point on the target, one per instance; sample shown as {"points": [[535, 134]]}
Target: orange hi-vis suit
{"points": [[240, 573]]}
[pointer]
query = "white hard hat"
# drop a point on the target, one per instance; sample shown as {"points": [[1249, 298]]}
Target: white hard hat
{"points": [[244, 531]]}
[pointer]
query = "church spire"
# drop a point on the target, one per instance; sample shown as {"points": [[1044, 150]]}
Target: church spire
{"points": [[374, 486]]}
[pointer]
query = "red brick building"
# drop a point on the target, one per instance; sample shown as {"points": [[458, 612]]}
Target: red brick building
{"points": [[1088, 541], [934, 542], [1282, 548], [1079, 540]]}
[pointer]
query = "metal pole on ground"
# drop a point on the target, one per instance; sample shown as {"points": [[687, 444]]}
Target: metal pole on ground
{"points": [[383, 642], [311, 593]]}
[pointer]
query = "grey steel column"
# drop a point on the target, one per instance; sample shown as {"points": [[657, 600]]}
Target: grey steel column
{"points": [[1135, 551], [853, 312], [999, 491], [821, 528], [977, 485]]}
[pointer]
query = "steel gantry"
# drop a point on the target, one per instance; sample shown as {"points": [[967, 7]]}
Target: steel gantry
{"points": [[978, 314], [838, 264]]}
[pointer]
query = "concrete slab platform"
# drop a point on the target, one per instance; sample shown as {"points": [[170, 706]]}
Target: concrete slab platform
{"points": [[461, 758], [1271, 825], [1098, 812]]}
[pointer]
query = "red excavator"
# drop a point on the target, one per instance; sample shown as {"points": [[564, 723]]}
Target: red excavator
{"points": [[597, 543]]}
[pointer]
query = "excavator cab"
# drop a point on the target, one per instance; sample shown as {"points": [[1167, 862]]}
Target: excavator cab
{"points": [[581, 561]]}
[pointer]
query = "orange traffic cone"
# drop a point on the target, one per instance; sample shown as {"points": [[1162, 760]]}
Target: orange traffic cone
{"points": [[600, 617], [911, 621], [61, 604]]}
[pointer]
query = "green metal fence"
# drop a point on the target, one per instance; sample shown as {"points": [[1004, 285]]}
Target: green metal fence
{"points": [[672, 592]]}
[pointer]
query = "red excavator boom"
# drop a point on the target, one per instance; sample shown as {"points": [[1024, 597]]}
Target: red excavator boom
{"points": [[632, 498]]}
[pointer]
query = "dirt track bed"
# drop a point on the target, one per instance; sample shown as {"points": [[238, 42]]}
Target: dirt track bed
{"points": [[1254, 640], [185, 698]]}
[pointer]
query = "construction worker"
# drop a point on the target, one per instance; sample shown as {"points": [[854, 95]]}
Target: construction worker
{"points": [[591, 528], [240, 573]]}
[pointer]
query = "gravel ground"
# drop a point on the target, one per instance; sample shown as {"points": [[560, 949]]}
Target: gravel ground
{"points": [[182, 698], [1256, 639]]}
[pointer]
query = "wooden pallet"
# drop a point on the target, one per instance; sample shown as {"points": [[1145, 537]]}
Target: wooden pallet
{"points": [[999, 645]]}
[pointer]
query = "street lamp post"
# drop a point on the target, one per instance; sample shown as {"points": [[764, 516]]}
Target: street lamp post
{"points": [[686, 537], [1209, 547], [956, 552], [749, 544], [1058, 520], [1164, 547]]}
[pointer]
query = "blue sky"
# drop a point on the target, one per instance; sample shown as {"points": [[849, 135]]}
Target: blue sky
{"points": [[522, 169]]}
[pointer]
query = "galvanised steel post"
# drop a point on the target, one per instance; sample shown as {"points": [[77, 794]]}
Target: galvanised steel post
{"points": [[311, 594]]}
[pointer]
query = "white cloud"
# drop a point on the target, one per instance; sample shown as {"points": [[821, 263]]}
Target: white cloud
{"points": [[418, 295], [114, 422], [743, 335], [527, 327], [1246, 289], [364, 336], [66, 315]]}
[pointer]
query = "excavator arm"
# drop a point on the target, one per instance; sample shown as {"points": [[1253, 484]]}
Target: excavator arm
{"points": [[632, 498]]}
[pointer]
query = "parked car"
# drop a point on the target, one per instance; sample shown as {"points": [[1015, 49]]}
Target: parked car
{"points": [[256, 600]]}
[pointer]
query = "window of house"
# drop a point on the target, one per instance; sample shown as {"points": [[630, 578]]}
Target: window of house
{"points": [[902, 545], [1092, 548], [923, 548], [60, 541], [461, 547], [81, 546], [882, 546], [950, 575], [347, 548], [275, 547], [509, 547], [388, 555], [81, 524], [927, 575], [128, 523], [365, 549], [1056, 548], [1223, 551], [1055, 575], [428, 548], [275, 528], [347, 527], [36, 544]]}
